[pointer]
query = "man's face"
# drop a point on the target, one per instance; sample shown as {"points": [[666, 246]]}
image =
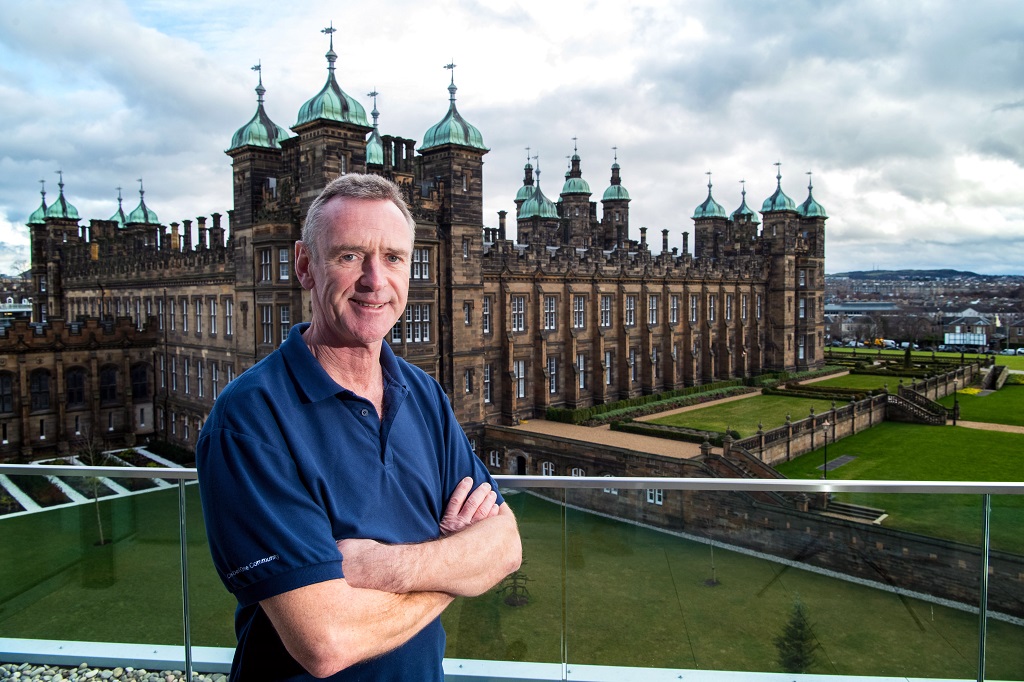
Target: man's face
{"points": [[359, 281]]}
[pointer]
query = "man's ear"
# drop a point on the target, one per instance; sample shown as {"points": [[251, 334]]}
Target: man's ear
{"points": [[303, 266]]}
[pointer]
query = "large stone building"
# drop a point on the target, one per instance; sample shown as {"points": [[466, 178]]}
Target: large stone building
{"points": [[577, 310]]}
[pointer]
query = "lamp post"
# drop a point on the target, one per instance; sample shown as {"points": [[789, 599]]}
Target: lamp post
{"points": [[956, 405], [824, 469]]}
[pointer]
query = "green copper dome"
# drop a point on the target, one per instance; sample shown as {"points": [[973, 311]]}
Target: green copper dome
{"points": [[615, 190], [453, 129], [811, 208], [778, 201], [574, 182], [62, 208], [375, 145], [744, 211], [38, 216], [119, 217], [331, 103], [142, 213], [538, 205], [710, 208], [526, 191], [260, 131]]}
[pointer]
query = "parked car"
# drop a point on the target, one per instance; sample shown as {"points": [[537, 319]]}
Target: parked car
{"points": [[1008, 351], [1020, 351]]}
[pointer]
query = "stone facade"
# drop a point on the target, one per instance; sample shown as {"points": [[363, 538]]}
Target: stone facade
{"points": [[574, 312]]}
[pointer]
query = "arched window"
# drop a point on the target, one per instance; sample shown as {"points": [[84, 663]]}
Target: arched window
{"points": [[140, 382], [108, 384], [74, 379], [6, 392], [39, 389]]}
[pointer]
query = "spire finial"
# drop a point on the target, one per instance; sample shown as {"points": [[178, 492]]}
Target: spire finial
{"points": [[260, 90], [142, 190], [118, 197], [331, 55], [744, 192], [708, 173], [60, 181], [778, 172], [536, 159], [330, 31], [451, 87], [528, 157], [42, 189], [451, 67], [574, 147], [810, 184], [616, 150], [373, 93]]}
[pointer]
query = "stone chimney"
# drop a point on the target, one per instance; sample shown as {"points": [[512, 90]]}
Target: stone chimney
{"points": [[202, 231]]}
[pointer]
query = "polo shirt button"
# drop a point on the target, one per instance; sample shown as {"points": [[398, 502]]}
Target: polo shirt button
{"points": [[364, 412]]}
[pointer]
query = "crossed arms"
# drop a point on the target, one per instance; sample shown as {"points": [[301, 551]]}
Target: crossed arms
{"points": [[391, 592]]}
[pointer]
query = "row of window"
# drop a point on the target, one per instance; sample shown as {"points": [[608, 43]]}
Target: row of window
{"points": [[180, 427], [655, 496], [517, 307], [175, 314], [267, 321], [284, 269], [199, 376], [45, 428], [75, 395]]}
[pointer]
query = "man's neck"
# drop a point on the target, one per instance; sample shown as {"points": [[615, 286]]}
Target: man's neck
{"points": [[357, 369]]}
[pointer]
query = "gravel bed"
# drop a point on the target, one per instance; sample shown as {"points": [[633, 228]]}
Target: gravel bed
{"points": [[31, 672]]}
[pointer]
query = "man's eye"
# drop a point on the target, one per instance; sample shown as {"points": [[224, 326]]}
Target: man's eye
{"points": [[394, 259], [348, 257]]}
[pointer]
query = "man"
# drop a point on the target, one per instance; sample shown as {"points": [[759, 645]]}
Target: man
{"points": [[344, 506]]}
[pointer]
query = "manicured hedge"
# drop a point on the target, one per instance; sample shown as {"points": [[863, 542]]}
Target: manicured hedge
{"points": [[672, 432], [580, 415]]}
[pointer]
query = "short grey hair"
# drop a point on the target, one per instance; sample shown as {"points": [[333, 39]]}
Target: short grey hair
{"points": [[353, 186]]}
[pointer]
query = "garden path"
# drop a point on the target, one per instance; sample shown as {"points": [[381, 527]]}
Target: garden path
{"points": [[985, 426]]}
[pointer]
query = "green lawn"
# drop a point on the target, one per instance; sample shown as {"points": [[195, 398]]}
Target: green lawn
{"points": [[864, 381], [1005, 406], [744, 415], [912, 452]]}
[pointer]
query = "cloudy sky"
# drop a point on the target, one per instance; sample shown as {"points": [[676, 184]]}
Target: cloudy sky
{"points": [[909, 114]]}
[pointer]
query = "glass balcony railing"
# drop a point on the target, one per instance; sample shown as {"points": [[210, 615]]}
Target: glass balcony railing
{"points": [[623, 578]]}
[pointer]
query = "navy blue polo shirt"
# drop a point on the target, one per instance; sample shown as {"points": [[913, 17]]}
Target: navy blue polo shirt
{"points": [[289, 462]]}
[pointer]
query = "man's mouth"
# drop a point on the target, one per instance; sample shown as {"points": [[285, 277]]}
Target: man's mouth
{"points": [[370, 305]]}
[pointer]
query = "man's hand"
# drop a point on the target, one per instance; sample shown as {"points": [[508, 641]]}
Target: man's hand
{"points": [[465, 509], [363, 564]]}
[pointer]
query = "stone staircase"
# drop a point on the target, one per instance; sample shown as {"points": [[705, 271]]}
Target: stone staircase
{"points": [[856, 512], [913, 407]]}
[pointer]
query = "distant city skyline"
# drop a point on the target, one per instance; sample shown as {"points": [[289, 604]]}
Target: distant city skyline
{"points": [[910, 116]]}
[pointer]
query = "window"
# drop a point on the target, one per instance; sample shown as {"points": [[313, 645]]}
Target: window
{"points": [[673, 309], [728, 307], [467, 313], [39, 389], [421, 264], [174, 313], [802, 314], [494, 459], [467, 381], [549, 313], [417, 323], [7, 392], [610, 491], [199, 379], [578, 472], [743, 307], [229, 316], [283, 268], [802, 277], [465, 240], [630, 311], [142, 416], [396, 332], [578, 315], [229, 369], [487, 383], [215, 379], [199, 316], [712, 304], [174, 423], [265, 275], [160, 312], [163, 372], [694, 306], [606, 310], [519, 372], [286, 321], [485, 315], [187, 371], [267, 323], [552, 374], [74, 380], [655, 496], [174, 373], [581, 370], [758, 312], [800, 348], [654, 362], [184, 422], [213, 316], [140, 382], [652, 309], [518, 313], [633, 368], [184, 315], [607, 368], [547, 468]]}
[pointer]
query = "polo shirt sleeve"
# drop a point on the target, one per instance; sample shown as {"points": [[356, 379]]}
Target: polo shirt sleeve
{"points": [[267, 535], [461, 460]]}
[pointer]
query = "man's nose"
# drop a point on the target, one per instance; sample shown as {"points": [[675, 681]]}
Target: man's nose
{"points": [[373, 274]]}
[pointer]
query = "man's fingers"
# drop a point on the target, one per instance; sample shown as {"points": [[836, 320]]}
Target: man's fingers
{"points": [[458, 497], [474, 501], [484, 510]]}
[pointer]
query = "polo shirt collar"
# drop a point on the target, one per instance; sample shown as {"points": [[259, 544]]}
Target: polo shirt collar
{"points": [[310, 376]]}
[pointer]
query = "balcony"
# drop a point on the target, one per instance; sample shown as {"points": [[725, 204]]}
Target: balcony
{"points": [[623, 579]]}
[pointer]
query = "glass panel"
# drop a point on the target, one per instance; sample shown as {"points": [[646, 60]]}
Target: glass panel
{"points": [[78, 567], [521, 619], [211, 606], [1004, 650], [730, 581]]}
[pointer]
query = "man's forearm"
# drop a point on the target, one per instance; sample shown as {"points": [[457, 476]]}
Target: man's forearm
{"points": [[330, 626], [466, 563]]}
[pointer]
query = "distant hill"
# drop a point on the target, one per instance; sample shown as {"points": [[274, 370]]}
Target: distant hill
{"points": [[906, 274]]}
